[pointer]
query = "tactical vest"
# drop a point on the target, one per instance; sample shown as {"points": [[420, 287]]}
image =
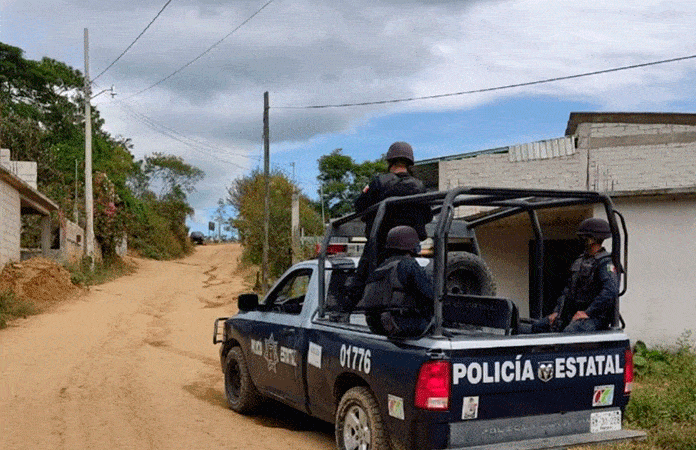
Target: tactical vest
{"points": [[384, 291], [584, 284], [395, 186]]}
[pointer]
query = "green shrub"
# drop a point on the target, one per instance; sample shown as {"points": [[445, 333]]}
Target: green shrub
{"points": [[81, 274], [12, 307], [663, 400]]}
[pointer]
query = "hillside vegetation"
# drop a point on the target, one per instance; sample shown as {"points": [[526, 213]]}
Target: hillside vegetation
{"points": [[42, 119]]}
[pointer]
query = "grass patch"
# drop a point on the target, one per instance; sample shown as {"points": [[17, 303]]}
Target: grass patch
{"points": [[12, 307], [663, 401], [82, 275]]}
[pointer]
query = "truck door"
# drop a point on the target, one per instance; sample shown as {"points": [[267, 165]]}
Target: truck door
{"points": [[278, 339]]}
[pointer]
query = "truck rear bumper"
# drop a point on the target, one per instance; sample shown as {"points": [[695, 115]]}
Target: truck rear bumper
{"points": [[536, 432], [561, 442]]}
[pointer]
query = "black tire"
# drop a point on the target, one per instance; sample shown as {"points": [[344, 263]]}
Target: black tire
{"points": [[240, 392], [359, 423], [468, 274]]}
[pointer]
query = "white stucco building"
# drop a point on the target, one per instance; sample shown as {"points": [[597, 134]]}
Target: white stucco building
{"points": [[646, 162]]}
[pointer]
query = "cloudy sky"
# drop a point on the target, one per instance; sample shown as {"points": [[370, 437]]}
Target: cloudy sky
{"points": [[192, 85]]}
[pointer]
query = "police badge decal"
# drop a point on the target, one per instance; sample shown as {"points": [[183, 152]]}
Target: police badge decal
{"points": [[545, 371]]}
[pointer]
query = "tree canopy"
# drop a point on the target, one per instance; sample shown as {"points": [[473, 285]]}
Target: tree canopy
{"points": [[246, 196], [342, 181], [42, 119]]}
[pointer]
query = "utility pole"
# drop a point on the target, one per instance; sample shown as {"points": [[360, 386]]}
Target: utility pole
{"points": [[266, 208], [89, 201]]}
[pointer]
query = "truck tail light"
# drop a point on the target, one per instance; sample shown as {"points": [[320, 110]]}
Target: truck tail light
{"points": [[333, 249], [628, 372], [433, 386]]}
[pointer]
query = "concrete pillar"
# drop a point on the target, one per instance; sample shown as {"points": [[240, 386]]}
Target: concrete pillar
{"points": [[45, 235]]}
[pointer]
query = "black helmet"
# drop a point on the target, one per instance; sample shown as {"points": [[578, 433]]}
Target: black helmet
{"points": [[404, 238], [400, 150], [594, 227]]}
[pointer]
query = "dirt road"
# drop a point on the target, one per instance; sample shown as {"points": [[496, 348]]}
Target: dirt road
{"points": [[132, 366]]}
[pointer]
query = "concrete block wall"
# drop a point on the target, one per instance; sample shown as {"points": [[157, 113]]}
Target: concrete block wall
{"points": [[496, 170], [72, 241], [24, 170], [10, 224], [637, 157]]}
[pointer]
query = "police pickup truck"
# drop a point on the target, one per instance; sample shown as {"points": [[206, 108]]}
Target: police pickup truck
{"points": [[477, 378]]}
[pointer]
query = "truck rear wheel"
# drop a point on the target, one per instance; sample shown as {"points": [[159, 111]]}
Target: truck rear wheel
{"points": [[240, 392], [468, 273], [359, 423]]}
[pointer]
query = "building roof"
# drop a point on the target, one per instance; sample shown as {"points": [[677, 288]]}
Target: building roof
{"points": [[576, 118], [31, 200]]}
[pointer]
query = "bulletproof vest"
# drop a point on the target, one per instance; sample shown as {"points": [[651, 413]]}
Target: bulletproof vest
{"points": [[384, 291], [584, 284], [395, 186]]}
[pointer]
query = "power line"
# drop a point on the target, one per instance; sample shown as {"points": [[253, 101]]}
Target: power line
{"points": [[497, 88], [187, 141], [136, 40], [205, 52]]}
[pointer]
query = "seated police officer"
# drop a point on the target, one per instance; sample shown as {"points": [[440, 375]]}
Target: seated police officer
{"points": [[588, 301], [399, 299]]}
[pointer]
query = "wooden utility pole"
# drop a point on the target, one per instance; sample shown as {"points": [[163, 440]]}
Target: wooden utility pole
{"points": [[267, 193], [89, 201]]}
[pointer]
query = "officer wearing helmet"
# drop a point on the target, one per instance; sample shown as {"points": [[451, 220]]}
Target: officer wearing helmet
{"points": [[397, 182], [399, 298], [588, 301]]}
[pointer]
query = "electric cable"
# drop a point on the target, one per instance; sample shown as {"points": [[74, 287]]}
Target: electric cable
{"points": [[132, 43], [490, 89], [202, 54]]}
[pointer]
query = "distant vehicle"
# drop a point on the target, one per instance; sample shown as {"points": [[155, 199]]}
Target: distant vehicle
{"points": [[197, 238]]}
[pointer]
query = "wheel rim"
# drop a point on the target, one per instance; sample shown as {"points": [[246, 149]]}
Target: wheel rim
{"points": [[234, 380], [356, 429], [462, 282]]}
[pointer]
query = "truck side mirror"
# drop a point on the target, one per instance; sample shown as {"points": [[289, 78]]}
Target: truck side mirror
{"points": [[248, 302]]}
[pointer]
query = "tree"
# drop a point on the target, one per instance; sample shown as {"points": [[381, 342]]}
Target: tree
{"points": [[171, 173], [342, 180], [246, 196], [42, 120]]}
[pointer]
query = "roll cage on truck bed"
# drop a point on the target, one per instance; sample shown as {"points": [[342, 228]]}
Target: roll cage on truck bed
{"points": [[476, 379], [503, 203]]}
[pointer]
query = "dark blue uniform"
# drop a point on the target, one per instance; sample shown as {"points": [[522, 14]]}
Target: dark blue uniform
{"points": [[398, 298], [593, 288], [414, 215], [395, 185]]}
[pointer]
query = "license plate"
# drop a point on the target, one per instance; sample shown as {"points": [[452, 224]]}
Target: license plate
{"points": [[605, 421]]}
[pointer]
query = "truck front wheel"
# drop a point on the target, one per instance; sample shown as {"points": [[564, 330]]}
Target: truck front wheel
{"points": [[240, 392], [359, 423]]}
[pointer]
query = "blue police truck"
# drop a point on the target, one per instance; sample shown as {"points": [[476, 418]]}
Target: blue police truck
{"points": [[477, 378]]}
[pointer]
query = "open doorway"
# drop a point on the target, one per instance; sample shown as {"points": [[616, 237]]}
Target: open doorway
{"points": [[559, 255]]}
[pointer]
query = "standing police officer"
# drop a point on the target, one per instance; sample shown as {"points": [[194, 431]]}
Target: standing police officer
{"points": [[588, 302], [397, 182], [399, 296]]}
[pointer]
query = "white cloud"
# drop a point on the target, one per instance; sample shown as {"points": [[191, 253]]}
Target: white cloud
{"points": [[308, 52]]}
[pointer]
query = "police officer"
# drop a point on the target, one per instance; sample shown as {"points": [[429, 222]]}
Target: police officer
{"points": [[397, 182], [399, 296], [588, 301]]}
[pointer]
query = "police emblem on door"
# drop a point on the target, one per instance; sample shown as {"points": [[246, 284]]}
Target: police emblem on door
{"points": [[545, 371]]}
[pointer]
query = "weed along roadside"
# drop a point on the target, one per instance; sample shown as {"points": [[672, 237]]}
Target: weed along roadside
{"points": [[35, 285]]}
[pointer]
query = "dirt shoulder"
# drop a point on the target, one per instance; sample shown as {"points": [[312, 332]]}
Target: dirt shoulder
{"points": [[130, 364]]}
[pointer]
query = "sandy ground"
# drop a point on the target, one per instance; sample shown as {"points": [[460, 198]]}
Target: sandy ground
{"points": [[131, 365]]}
